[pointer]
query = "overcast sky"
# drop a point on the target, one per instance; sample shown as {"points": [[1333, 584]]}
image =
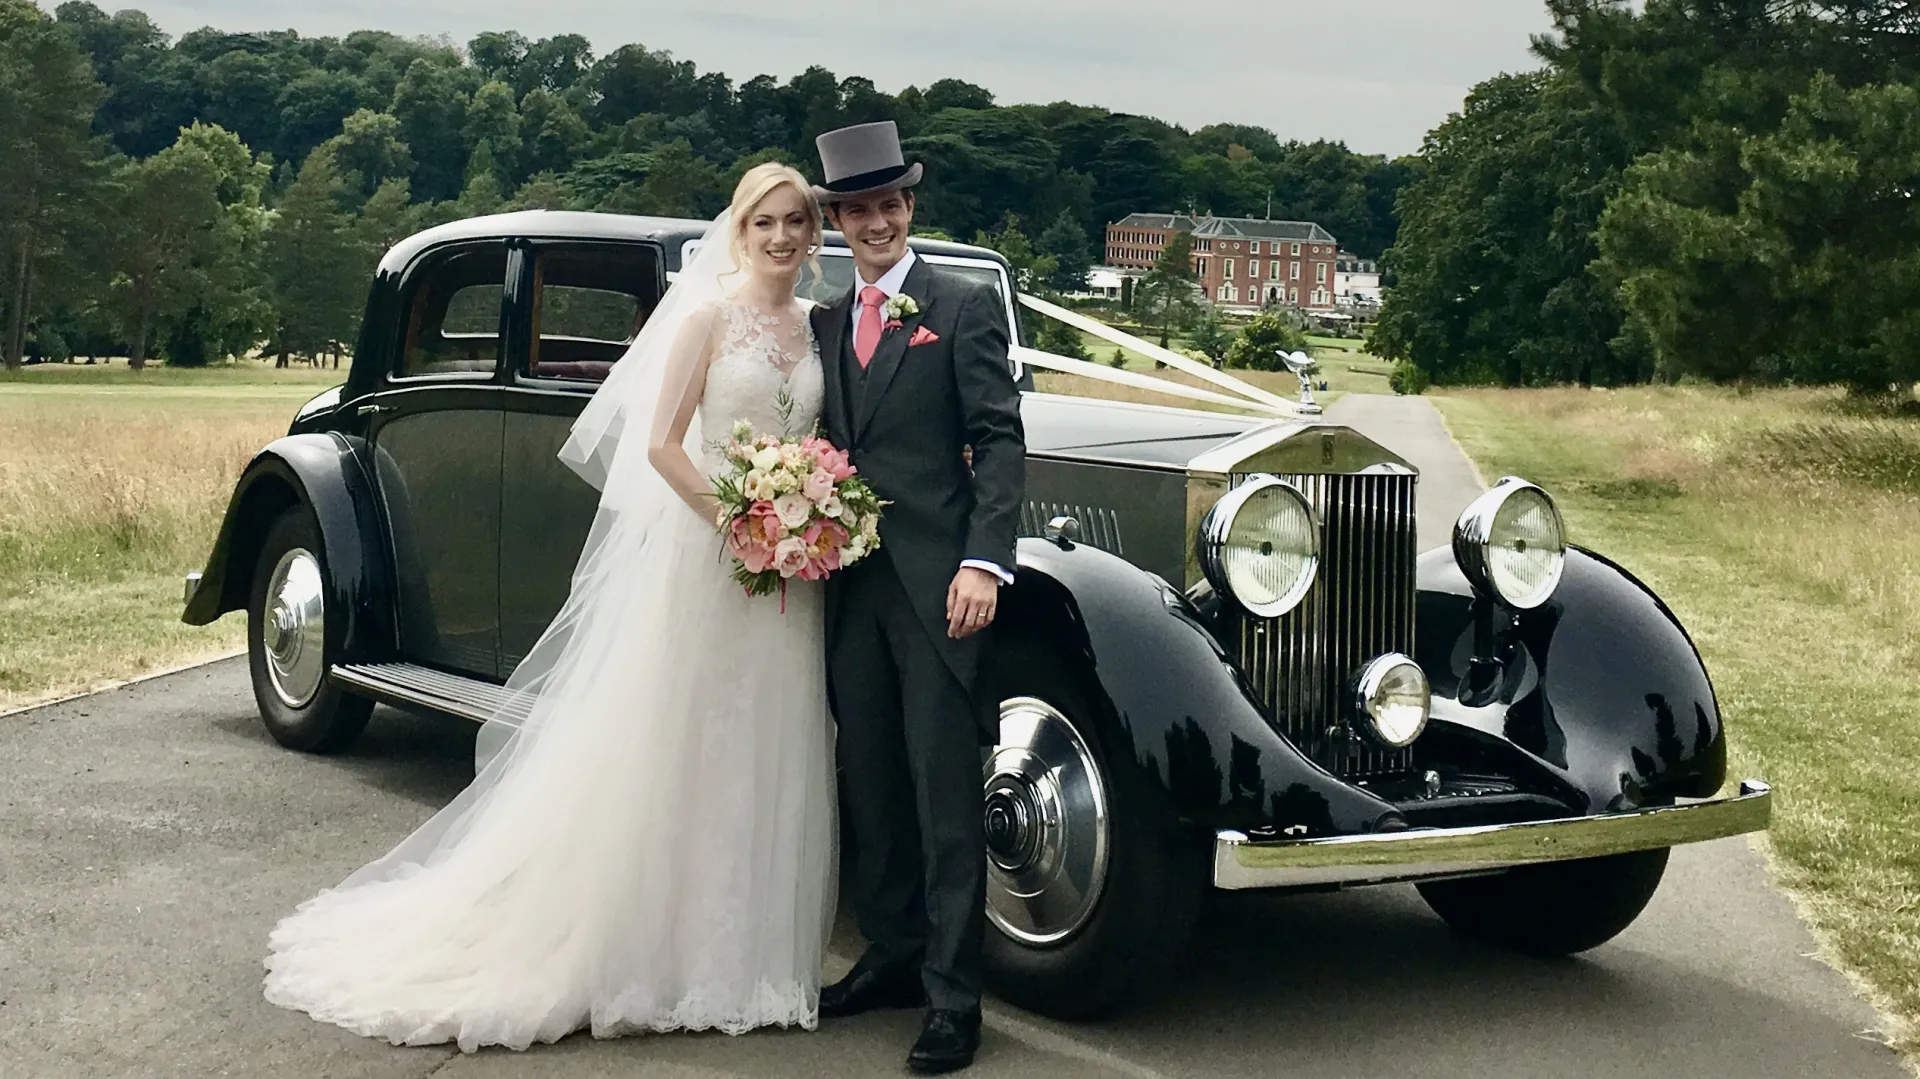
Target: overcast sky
{"points": [[1374, 73]]}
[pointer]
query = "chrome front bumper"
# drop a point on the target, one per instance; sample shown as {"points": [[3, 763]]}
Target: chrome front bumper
{"points": [[1240, 861]]}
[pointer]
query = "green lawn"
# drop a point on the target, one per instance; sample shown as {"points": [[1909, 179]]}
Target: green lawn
{"points": [[1780, 526]]}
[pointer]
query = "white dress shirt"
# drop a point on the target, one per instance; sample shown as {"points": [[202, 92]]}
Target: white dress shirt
{"points": [[891, 283]]}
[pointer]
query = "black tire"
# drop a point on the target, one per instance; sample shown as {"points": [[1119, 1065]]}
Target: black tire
{"points": [[1557, 908], [326, 720], [1155, 878]]}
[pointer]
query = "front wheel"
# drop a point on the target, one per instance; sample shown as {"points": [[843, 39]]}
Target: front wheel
{"points": [[1556, 908], [1091, 889], [291, 646]]}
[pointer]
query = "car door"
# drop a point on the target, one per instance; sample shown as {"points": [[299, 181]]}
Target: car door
{"points": [[579, 305], [435, 428]]}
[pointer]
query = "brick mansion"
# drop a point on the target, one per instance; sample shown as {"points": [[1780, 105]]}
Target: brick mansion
{"points": [[1241, 262]]}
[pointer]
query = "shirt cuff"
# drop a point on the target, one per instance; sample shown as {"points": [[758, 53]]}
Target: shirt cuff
{"points": [[990, 567]]}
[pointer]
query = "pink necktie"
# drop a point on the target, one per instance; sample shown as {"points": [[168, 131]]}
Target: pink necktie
{"points": [[866, 332]]}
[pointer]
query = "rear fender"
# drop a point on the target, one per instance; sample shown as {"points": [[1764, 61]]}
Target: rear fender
{"points": [[1172, 705], [321, 471], [1600, 688]]}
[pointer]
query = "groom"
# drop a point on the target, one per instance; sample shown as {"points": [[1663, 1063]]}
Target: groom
{"points": [[915, 363]]}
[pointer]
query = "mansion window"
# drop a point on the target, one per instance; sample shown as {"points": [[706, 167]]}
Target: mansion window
{"points": [[1296, 250], [1254, 249], [1274, 269], [1253, 268], [1226, 268], [1293, 296], [1320, 272], [1294, 273]]}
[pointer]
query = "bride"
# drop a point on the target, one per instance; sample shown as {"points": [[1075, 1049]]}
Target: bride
{"points": [[652, 848]]}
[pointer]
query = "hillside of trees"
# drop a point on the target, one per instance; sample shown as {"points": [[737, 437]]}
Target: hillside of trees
{"points": [[204, 197], [1719, 189]]}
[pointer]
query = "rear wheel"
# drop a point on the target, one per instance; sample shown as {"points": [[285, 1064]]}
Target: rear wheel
{"points": [[1091, 890], [1556, 908], [291, 644]]}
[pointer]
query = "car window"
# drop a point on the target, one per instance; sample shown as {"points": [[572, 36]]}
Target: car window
{"points": [[453, 321], [589, 304], [836, 276]]}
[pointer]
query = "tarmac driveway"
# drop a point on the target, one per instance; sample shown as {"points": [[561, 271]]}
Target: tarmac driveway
{"points": [[150, 836]]}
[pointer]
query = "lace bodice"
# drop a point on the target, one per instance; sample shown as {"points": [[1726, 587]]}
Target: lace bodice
{"points": [[766, 370]]}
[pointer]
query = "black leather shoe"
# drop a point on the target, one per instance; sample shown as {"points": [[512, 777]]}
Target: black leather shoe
{"points": [[948, 1040], [867, 988]]}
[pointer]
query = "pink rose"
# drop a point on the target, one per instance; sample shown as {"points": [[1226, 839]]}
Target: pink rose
{"points": [[790, 556], [836, 465], [814, 570], [818, 486]]}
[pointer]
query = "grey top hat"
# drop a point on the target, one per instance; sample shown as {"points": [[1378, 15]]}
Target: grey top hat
{"points": [[864, 159]]}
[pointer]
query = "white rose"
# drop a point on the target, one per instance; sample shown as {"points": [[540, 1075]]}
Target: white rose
{"points": [[831, 507], [767, 459], [758, 485], [793, 510]]}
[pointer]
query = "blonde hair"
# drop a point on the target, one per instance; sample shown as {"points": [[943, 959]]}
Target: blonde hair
{"points": [[759, 182]]}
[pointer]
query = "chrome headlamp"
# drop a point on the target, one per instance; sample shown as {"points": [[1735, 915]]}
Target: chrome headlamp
{"points": [[1511, 544], [1393, 698], [1260, 545]]}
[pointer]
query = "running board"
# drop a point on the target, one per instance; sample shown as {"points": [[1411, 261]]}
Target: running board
{"points": [[409, 685]]}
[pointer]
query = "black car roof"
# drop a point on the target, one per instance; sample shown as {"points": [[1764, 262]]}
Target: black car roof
{"points": [[671, 232]]}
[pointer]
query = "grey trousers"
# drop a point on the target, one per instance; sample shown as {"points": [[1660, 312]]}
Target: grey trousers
{"points": [[910, 764]]}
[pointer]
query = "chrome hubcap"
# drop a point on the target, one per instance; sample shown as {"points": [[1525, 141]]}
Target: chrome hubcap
{"points": [[1046, 825], [293, 628]]}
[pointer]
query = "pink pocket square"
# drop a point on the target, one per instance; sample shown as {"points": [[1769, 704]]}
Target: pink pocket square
{"points": [[922, 336]]}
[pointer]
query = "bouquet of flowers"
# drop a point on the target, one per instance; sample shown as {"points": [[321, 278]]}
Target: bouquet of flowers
{"points": [[792, 508]]}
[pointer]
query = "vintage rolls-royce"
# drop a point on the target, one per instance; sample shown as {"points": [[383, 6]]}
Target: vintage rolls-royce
{"points": [[1223, 662]]}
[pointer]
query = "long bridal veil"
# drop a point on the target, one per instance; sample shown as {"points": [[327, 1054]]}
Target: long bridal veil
{"points": [[648, 842], [633, 501]]}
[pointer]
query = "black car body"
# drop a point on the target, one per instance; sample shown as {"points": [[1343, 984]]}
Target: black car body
{"points": [[1156, 731]]}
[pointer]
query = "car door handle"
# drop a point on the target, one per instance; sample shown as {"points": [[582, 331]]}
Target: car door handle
{"points": [[371, 408]]}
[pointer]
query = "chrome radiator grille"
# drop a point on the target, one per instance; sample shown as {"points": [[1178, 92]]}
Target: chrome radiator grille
{"points": [[1360, 606]]}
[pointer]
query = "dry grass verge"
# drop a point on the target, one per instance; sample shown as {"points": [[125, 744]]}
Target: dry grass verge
{"points": [[111, 488], [1781, 527]]}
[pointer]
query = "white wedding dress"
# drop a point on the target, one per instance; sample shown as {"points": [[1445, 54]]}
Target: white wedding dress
{"points": [[653, 849]]}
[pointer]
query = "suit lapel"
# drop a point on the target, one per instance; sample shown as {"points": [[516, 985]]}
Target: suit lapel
{"points": [[832, 336], [893, 347]]}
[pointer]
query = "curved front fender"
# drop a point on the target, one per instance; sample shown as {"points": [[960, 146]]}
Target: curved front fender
{"points": [[1600, 688], [322, 471], [1173, 698]]}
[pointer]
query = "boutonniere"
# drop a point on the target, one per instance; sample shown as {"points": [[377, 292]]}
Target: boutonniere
{"points": [[899, 306]]}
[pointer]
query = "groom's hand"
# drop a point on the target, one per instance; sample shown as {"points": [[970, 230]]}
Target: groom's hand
{"points": [[971, 601]]}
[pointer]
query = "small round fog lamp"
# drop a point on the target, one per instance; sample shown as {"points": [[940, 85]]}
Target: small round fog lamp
{"points": [[1393, 697]]}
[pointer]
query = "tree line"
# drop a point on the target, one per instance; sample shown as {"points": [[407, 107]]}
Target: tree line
{"points": [[1719, 189], [199, 198]]}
